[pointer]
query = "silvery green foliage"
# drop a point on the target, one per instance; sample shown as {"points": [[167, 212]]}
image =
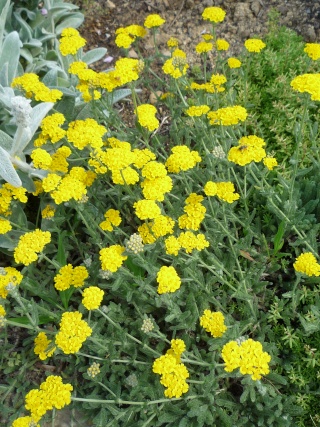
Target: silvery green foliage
{"points": [[12, 156]]}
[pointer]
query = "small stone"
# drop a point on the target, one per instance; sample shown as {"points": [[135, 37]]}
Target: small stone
{"points": [[255, 7], [110, 4], [133, 54]]}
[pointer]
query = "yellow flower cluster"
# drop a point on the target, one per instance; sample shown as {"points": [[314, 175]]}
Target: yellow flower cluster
{"points": [[194, 213], [48, 212], [228, 116], [234, 63], [5, 226], [127, 35], [83, 133], [8, 275], [250, 149], [111, 258], [88, 80], [29, 245], [213, 14], [188, 241], [112, 218], [307, 264], [92, 297], [222, 44], [159, 227], [270, 162], [173, 42], [309, 83], [197, 110], [248, 356], [204, 47], [213, 322], [223, 190], [208, 87], [146, 209], [156, 183], [70, 41], [173, 372], [25, 422], [147, 116], [312, 50], [70, 276], [41, 159], [153, 20], [176, 66], [73, 332], [118, 159], [51, 129], [182, 159], [41, 346], [8, 193], [51, 394], [254, 45], [168, 280], [32, 86]]}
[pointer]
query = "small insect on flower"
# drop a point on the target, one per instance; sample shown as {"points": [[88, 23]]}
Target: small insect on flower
{"points": [[242, 147]]}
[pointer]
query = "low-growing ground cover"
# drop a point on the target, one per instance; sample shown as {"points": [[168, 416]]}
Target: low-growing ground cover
{"points": [[164, 270]]}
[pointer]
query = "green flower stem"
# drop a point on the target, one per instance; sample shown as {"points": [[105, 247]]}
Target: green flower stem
{"points": [[19, 300], [50, 261], [201, 264], [224, 228], [205, 67], [21, 325], [180, 94], [91, 357], [94, 233], [152, 416], [117, 326], [196, 362], [129, 362], [130, 402], [107, 388]]}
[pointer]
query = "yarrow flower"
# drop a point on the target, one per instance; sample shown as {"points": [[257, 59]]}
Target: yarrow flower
{"points": [[32, 86], [234, 63], [29, 245], [70, 276], [92, 297], [213, 14], [5, 226], [213, 322], [176, 66], [93, 370], [222, 44], [42, 346], [312, 50], [147, 325], [8, 275], [73, 332], [168, 280], [248, 356], [254, 45], [112, 218], [51, 394], [223, 190], [127, 35], [309, 83], [204, 47], [270, 162], [111, 258], [153, 21], [147, 116], [197, 110], [228, 116], [307, 264], [135, 244], [70, 41], [146, 209], [182, 159], [173, 372], [250, 149], [25, 422]]}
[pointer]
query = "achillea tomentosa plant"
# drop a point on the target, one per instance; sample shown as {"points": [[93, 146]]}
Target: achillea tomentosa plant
{"points": [[180, 246]]}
